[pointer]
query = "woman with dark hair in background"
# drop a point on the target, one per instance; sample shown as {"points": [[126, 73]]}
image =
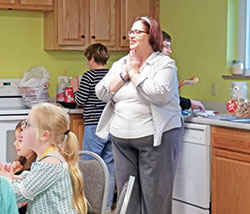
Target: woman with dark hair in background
{"points": [[144, 118]]}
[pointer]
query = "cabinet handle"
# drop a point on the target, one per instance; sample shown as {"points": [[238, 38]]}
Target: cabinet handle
{"points": [[124, 37], [83, 36], [93, 37]]}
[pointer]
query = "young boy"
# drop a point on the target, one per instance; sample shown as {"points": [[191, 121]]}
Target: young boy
{"points": [[97, 56]]}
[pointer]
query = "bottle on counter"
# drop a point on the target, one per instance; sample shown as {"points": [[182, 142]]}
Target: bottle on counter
{"points": [[60, 90], [239, 90], [239, 105], [69, 99]]}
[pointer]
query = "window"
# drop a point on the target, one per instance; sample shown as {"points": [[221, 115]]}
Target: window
{"points": [[244, 34]]}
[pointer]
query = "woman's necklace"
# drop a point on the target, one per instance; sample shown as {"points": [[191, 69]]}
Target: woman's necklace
{"points": [[46, 152]]}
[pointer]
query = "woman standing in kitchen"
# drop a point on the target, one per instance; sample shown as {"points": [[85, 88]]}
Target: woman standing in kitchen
{"points": [[97, 56], [144, 118]]}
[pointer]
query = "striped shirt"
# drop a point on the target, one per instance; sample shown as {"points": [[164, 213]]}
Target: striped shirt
{"points": [[47, 188], [86, 97]]}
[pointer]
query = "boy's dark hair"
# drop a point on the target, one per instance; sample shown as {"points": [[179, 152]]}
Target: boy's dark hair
{"points": [[99, 52], [166, 36]]}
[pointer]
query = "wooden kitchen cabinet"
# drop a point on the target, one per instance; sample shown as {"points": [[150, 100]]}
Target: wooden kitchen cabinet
{"points": [[130, 9], [102, 17], [66, 27], [75, 24], [230, 171], [77, 126], [39, 5]]}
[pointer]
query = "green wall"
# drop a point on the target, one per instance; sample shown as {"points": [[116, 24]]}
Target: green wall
{"points": [[204, 43], [21, 47]]}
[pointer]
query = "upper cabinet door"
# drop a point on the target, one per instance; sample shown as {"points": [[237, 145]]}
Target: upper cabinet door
{"points": [[102, 22], [130, 9], [37, 2], [71, 22], [36, 5], [7, 1]]}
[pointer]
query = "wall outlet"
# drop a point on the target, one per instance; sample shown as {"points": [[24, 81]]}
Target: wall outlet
{"points": [[213, 89]]}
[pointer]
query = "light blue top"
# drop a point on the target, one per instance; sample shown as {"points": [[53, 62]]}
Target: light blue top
{"points": [[157, 85], [46, 188], [8, 204]]}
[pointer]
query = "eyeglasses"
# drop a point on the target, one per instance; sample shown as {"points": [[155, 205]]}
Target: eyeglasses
{"points": [[25, 124], [136, 32]]}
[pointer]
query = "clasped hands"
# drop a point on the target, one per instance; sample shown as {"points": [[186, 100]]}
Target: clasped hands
{"points": [[8, 170], [132, 65]]}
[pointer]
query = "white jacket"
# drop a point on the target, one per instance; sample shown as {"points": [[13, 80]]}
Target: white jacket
{"points": [[157, 84]]}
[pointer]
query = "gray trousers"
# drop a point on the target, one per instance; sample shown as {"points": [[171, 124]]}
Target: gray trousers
{"points": [[153, 167]]}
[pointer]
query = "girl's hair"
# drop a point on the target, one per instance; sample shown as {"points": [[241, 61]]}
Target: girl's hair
{"points": [[97, 51], [26, 163], [19, 125], [154, 30], [54, 119]]}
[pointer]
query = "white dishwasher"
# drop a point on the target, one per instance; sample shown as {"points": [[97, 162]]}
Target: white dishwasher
{"points": [[191, 193]]}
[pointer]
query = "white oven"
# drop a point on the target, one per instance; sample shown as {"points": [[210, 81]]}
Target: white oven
{"points": [[12, 111], [191, 193], [7, 135]]}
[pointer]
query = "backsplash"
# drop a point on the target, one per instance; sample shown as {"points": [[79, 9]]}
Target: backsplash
{"points": [[216, 106]]}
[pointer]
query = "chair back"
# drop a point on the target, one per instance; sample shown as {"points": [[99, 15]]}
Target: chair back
{"points": [[96, 182], [125, 195]]}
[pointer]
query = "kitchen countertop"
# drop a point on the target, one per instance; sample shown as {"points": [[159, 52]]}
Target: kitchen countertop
{"points": [[74, 111], [200, 120], [25, 111], [216, 122]]}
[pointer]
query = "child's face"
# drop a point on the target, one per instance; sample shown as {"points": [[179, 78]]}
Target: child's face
{"points": [[20, 148]]}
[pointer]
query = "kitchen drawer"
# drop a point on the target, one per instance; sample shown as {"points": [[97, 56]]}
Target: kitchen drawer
{"points": [[231, 139]]}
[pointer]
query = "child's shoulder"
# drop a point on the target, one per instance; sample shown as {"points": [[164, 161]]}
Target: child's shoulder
{"points": [[52, 160]]}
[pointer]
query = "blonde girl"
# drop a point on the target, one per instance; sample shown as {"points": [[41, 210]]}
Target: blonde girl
{"points": [[54, 184]]}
